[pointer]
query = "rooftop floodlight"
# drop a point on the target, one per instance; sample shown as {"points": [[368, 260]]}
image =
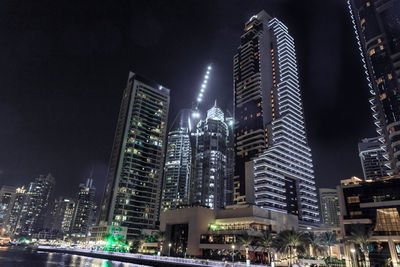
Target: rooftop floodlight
{"points": [[206, 77], [209, 67]]}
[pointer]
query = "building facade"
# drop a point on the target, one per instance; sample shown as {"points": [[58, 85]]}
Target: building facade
{"points": [[208, 181], [62, 215], [83, 210], [330, 209], [200, 231], [7, 197], [372, 205], [133, 188], [35, 206], [15, 210], [273, 165], [376, 25], [177, 163], [371, 156]]}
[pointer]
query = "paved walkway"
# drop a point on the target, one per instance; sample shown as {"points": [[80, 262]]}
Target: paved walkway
{"points": [[146, 259]]}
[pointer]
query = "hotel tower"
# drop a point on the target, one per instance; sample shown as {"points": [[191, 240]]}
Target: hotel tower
{"points": [[273, 165]]}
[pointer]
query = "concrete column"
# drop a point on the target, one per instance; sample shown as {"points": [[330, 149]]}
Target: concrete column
{"points": [[347, 255], [393, 253]]}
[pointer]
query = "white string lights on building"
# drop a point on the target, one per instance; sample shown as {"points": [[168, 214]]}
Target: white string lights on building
{"points": [[196, 113]]}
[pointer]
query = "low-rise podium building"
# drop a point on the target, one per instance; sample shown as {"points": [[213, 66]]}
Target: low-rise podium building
{"points": [[198, 231]]}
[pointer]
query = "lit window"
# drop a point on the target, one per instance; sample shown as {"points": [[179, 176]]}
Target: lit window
{"points": [[371, 52], [390, 76], [383, 96], [354, 199], [368, 4], [381, 47], [387, 220], [379, 40], [362, 21], [379, 81]]}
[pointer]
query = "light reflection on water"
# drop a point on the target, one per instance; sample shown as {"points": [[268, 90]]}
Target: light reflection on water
{"points": [[10, 257]]}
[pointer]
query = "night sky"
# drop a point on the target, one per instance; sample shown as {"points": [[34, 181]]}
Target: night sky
{"points": [[64, 66]]}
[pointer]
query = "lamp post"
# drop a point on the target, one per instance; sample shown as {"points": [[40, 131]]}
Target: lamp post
{"points": [[233, 255], [169, 249], [353, 253]]}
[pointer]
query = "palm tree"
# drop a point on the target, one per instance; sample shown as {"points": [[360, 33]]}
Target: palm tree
{"points": [[314, 242], [329, 240], [265, 241], [290, 242], [360, 235], [247, 241]]}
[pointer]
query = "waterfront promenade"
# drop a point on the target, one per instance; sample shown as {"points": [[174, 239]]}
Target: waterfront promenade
{"points": [[142, 259]]}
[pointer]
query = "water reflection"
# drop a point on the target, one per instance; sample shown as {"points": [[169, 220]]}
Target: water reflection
{"points": [[10, 257]]}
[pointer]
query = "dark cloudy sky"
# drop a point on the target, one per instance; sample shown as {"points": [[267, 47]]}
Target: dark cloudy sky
{"points": [[64, 65]]}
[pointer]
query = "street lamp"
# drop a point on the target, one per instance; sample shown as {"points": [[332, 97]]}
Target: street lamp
{"points": [[353, 252], [233, 254], [169, 249]]}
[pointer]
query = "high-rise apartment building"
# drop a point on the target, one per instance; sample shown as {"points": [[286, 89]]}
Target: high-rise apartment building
{"points": [[371, 156], [133, 188], [376, 25], [330, 209], [83, 209], [177, 163], [62, 215], [273, 165], [35, 206], [208, 181], [7, 196], [15, 210]]}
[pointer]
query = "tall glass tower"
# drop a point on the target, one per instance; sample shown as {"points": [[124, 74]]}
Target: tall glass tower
{"points": [[209, 180], [377, 28], [35, 206], [133, 188], [177, 163], [83, 208], [273, 165]]}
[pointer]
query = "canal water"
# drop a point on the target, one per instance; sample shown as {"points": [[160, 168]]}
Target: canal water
{"points": [[11, 257]]}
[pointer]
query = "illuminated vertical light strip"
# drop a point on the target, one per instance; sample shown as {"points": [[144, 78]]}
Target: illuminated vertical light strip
{"points": [[203, 87], [371, 90], [289, 155]]}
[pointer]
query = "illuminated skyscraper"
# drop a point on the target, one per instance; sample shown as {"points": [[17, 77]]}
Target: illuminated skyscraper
{"points": [[208, 181], [273, 165], [133, 188], [62, 215], [377, 28], [83, 209], [371, 156], [15, 210], [177, 163], [7, 196], [35, 206], [330, 209]]}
